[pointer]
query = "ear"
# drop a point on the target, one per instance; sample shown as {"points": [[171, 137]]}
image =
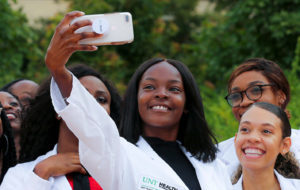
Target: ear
{"points": [[286, 144], [281, 97], [235, 136]]}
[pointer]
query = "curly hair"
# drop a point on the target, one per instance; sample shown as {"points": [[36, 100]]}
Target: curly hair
{"points": [[7, 146], [40, 128]]}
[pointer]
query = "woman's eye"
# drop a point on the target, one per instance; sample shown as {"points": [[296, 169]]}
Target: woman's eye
{"points": [[267, 131], [14, 104], [149, 87], [101, 100], [244, 129], [175, 89]]}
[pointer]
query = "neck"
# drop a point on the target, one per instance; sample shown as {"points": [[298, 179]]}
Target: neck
{"points": [[262, 179], [67, 141], [166, 134], [17, 144]]}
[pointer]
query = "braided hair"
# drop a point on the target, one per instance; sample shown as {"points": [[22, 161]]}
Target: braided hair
{"points": [[7, 146]]}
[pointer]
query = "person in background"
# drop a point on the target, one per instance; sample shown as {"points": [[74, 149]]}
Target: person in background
{"points": [[49, 154], [262, 145], [255, 80], [13, 111], [168, 142], [24, 89], [7, 145]]}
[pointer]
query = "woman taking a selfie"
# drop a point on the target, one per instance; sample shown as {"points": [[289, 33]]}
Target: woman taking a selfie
{"points": [[49, 154], [170, 145], [262, 144], [255, 80]]}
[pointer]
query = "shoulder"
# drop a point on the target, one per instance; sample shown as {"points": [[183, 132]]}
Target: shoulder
{"points": [[224, 146], [28, 166], [287, 183], [295, 148]]}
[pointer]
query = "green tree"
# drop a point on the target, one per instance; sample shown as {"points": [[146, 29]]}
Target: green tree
{"points": [[244, 29], [161, 28], [17, 45]]}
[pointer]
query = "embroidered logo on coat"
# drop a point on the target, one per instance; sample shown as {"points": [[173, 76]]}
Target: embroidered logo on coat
{"points": [[151, 183]]}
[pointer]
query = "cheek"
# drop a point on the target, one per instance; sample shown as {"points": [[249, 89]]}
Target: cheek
{"points": [[236, 114], [107, 108]]}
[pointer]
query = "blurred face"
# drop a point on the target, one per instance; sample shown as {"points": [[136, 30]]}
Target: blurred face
{"points": [[249, 79], [259, 139], [97, 88], [25, 90], [161, 100], [12, 109]]}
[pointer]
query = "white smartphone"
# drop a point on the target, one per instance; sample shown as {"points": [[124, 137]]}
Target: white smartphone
{"points": [[117, 28]]}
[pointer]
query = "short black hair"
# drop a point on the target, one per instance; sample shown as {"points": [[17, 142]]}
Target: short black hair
{"points": [[194, 132]]}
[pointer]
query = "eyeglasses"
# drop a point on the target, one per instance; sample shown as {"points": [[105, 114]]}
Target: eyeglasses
{"points": [[253, 93]]}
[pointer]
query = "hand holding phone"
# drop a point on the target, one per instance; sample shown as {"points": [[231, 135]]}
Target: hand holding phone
{"points": [[117, 28]]}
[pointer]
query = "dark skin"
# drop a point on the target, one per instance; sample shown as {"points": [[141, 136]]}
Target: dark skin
{"points": [[67, 159], [63, 44]]}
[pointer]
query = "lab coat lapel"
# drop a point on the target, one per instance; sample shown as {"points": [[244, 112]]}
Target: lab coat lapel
{"points": [[144, 146], [205, 173], [62, 182], [285, 183]]}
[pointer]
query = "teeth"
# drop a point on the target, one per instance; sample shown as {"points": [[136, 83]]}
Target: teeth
{"points": [[10, 116], [159, 108], [253, 151]]}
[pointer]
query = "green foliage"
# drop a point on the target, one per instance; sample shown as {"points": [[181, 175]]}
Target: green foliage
{"points": [[252, 28], [17, 47], [211, 45], [293, 77], [161, 27], [218, 113]]}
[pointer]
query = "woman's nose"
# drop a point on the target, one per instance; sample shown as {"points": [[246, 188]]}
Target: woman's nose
{"points": [[161, 93]]}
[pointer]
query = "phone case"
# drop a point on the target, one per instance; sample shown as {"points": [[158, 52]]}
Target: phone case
{"points": [[117, 28]]}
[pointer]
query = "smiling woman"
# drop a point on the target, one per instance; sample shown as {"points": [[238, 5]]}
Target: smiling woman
{"points": [[7, 146], [255, 80], [262, 143], [13, 109]]}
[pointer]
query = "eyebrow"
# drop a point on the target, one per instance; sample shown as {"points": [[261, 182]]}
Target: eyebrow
{"points": [[266, 124], [171, 81], [250, 84], [100, 92]]}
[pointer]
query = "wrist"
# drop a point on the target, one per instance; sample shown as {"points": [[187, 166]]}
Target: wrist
{"points": [[41, 171]]}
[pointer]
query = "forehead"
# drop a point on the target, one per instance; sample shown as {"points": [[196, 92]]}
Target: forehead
{"points": [[258, 116], [162, 70], [247, 78], [5, 96], [24, 85], [93, 83]]}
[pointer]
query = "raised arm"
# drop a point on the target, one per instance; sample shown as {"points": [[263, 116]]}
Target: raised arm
{"points": [[99, 141], [63, 44]]}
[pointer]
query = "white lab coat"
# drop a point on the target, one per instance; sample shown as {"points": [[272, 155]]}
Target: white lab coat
{"points": [[285, 183], [228, 155], [117, 164], [22, 177]]}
